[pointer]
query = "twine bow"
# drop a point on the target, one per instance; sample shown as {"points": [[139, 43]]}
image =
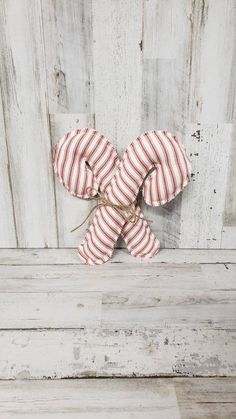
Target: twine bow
{"points": [[128, 210]]}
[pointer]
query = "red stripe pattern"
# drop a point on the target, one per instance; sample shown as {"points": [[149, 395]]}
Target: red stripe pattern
{"points": [[156, 160]]}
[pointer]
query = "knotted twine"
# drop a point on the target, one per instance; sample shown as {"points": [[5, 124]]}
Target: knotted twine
{"points": [[128, 210]]}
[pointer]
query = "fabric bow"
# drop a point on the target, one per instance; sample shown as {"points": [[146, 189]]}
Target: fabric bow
{"points": [[88, 165]]}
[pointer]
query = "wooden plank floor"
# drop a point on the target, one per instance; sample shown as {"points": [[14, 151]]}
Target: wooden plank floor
{"points": [[173, 398], [174, 315]]}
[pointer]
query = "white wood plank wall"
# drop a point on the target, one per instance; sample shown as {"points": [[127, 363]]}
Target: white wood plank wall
{"points": [[122, 66]]}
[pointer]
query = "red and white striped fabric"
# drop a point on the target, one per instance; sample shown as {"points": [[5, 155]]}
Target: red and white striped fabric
{"points": [[86, 159]]}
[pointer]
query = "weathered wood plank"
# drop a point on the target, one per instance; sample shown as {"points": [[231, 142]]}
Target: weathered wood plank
{"points": [[99, 399], [61, 123], [228, 237], [44, 310], [120, 398], [212, 80], [69, 256], [104, 352], [117, 32], [206, 398], [183, 67], [23, 81], [67, 30], [167, 31], [8, 236], [212, 112], [130, 414], [68, 43], [70, 210], [184, 311], [163, 308], [229, 228], [164, 34], [205, 205], [118, 309], [81, 279], [158, 296]]}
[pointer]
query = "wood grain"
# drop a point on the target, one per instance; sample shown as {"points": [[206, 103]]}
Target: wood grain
{"points": [[99, 399], [120, 398], [211, 77], [8, 237], [70, 257], [117, 33], [26, 123], [69, 320], [158, 296], [229, 229], [206, 398], [105, 352], [123, 67], [67, 30], [183, 80], [207, 204], [166, 70]]}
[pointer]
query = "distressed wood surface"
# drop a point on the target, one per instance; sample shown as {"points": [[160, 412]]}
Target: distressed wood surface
{"points": [[175, 398], [166, 83], [121, 352], [123, 67], [117, 33], [88, 399], [157, 296], [229, 230], [60, 318], [70, 257], [206, 398], [8, 236], [207, 205], [23, 80], [67, 28]]}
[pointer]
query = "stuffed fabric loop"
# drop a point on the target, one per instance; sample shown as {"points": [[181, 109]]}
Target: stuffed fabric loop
{"points": [[85, 159], [171, 174], [157, 151]]}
